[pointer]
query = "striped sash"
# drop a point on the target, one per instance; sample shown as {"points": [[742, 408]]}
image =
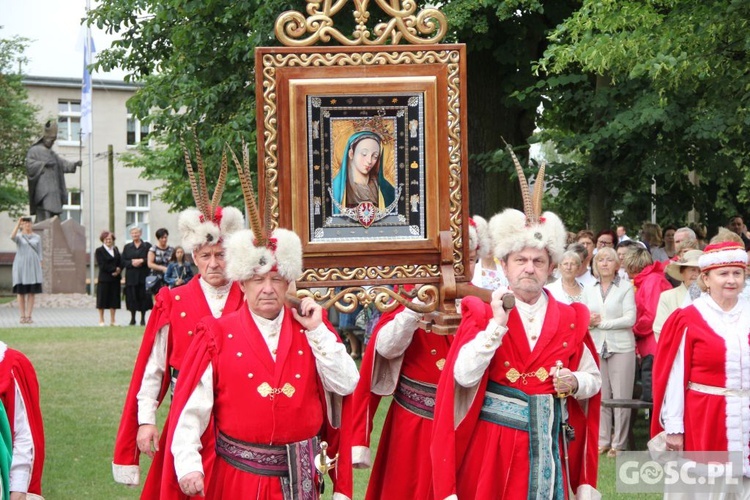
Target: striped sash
{"points": [[538, 415], [416, 397], [293, 464]]}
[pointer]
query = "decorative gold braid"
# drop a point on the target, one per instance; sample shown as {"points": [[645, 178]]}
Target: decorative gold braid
{"points": [[536, 201], [219, 189], [384, 298], [204, 201], [191, 175], [246, 182], [528, 208], [402, 24]]}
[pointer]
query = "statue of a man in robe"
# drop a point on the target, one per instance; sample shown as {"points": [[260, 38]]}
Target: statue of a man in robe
{"points": [[45, 171]]}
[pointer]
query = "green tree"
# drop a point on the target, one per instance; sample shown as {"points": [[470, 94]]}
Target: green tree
{"points": [[195, 60], [644, 92], [18, 127]]}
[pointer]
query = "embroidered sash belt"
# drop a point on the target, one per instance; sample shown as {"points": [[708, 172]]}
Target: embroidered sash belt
{"points": [[718, 391], [416, 397], [293, 463], [538, 415]]}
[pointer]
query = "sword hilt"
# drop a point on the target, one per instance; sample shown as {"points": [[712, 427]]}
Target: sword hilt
{"points": [[559, 366]]}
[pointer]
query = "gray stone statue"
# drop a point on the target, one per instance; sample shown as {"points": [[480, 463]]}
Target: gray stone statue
{"points": [[45, 171]]}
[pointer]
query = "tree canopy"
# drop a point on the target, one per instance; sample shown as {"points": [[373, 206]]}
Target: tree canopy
{"points": [[634, 94], [18, 127], [642, 92], [195, 60]]}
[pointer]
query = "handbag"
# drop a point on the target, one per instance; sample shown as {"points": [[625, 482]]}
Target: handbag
{"points": [[153, 282]]}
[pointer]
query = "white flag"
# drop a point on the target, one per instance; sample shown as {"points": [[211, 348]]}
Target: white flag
{"points": [[86, 121]]}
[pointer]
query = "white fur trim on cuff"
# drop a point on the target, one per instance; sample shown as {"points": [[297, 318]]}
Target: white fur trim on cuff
{"points": [[587, 492], [126, 474], [361, 457], [452, 497], [340, 496]]}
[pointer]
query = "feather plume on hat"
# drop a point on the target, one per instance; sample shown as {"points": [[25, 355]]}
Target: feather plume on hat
{"points": [[209, 223], [513, 230], [256, 250]]}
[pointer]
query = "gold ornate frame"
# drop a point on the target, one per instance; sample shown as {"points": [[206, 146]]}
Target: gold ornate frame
{"points": [[283, 75], [286, 76]]}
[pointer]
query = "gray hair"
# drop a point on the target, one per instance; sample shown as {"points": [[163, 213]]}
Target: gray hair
{"points": [[580, 250], [691, 234], [572, 254]]}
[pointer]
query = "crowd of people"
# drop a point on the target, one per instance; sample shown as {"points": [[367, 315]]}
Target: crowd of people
{"points": [[266, 400]]}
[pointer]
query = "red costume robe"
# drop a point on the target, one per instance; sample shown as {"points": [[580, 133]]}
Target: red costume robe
{"points": [[474, 458], [242, 366], [402, 468], [711, 422], [15, 368], [179, 308]]}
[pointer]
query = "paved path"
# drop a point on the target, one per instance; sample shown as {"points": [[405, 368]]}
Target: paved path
{"points": [[60, 309]]}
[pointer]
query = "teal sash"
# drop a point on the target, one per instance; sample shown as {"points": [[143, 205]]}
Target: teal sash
{"points": [[539, 415]]}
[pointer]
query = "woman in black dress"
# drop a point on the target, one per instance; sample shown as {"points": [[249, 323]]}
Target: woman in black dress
{"points": [[110, 270], [135, 261]]}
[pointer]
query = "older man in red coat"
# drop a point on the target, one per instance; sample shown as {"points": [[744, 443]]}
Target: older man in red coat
{"points": [[270, 378], [170, 330], [517, 382]]}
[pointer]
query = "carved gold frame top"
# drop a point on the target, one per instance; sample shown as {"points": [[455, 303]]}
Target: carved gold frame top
{"points": [[428, 26]]}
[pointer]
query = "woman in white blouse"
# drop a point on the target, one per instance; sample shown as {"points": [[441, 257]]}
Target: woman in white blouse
{"points": [[611, 301], [567, 289]]}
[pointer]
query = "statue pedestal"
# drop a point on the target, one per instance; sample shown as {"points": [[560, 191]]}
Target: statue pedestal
{"points": [[63, 255]]}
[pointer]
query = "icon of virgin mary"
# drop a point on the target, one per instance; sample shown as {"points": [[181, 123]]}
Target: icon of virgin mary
{"points": [[361, 179]]}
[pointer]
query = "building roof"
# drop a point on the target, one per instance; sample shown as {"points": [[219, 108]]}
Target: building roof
{"points": [[51, 81]]}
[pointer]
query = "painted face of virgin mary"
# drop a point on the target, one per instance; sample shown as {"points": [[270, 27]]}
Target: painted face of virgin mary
{"points": [[365, 156]]}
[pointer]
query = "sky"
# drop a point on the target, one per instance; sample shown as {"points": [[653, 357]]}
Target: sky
{"points": [[54, 28]]}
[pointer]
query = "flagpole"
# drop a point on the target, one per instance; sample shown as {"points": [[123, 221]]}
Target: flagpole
{"points": [[90, 135]]}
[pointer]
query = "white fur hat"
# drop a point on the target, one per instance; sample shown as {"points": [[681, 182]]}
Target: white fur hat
{"points": [[481, 233], [208, 224], [511, 233], [197, 231], [283, 252]]}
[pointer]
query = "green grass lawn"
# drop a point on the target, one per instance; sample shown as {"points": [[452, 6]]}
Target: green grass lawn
{"points": [[84, 374]]}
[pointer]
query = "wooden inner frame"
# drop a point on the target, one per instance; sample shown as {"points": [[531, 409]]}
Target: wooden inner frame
{"points": [[286, 77]]}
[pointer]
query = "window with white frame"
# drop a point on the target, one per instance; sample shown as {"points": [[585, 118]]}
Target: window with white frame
{"points": [[72, 208], [138, 205], [68, 122], [137, 131]]}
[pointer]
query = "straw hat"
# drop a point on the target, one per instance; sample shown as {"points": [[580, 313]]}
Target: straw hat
{"points": [[688, 259]]}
